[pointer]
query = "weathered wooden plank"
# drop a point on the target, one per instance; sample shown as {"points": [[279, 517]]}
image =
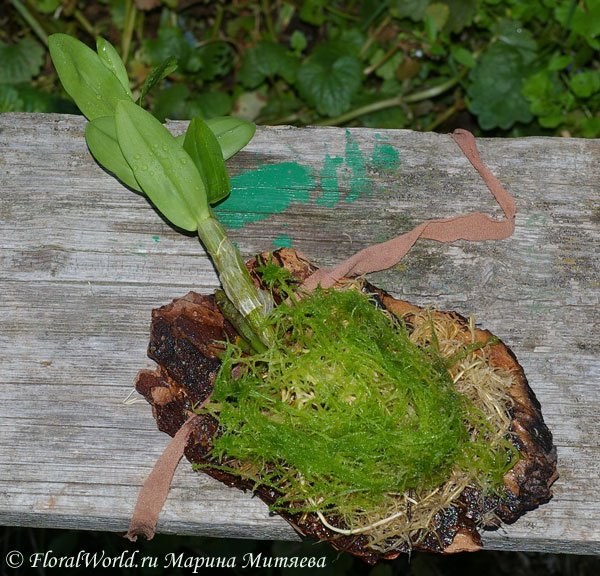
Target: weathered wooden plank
{"points": [[83, 261]]}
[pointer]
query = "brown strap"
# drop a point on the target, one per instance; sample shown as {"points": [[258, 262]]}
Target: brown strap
{"points": [[153, 494], [474, 227]]}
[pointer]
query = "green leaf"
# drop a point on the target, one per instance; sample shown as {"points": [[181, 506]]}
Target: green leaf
{"points": [[549, 100], [461, 13], [463, 56], [585, 83], [21, 62], [430, 29], [232, 133], [438, 14], [539, 10], [171, 43], [585, 19], [93, 87], [208, 105], [590, 127], [540, 85], [387, 70], [552, 118], [47, 6], [267, 60], [26, 98], [559, 62], [350, 42], [156, 75], [495, 89], [329, 81], [111, 59], [176, 103], [413, 9], [312, 12], [298, 41], [279, 105], [389, 118], [164, 170], [171, 101], [512, 33], [10, 100], [216, 60], [204, 149], [101, 138]]}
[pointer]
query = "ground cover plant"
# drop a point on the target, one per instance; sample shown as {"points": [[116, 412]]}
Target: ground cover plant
{"points": [[503, 68]]}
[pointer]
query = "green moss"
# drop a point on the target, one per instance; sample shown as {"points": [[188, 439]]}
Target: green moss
{"points": [[345, 410]]}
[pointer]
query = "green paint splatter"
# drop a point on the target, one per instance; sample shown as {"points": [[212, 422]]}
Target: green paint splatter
{"points": [[156, 238], [329, 181], [256, 194], [385, 156], [358, 182], [283, 241]]}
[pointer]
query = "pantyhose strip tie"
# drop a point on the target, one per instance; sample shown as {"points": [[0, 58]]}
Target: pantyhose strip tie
{"points": [[474, 227], [153, 494]]}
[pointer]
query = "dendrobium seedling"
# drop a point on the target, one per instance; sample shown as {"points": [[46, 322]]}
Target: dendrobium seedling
{"points": [[182, 176]]}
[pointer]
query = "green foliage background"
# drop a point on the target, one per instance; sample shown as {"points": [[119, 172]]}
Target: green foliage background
{"points": [[498, 68], [501, 68]]}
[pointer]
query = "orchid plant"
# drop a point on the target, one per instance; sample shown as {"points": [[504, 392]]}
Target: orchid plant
{"points": [[182, 176]]}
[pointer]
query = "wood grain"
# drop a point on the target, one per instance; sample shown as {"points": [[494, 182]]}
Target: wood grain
{"points": [[84, 260]]}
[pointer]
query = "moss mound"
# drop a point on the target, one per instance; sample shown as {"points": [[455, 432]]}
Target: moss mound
{"points": [[346, 414]]}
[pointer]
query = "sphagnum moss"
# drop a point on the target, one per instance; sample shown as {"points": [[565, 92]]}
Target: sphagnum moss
{"points": [[347, 417]]}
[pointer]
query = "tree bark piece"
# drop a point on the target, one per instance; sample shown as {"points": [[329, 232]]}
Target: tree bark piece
{"points": [[178, 338]]}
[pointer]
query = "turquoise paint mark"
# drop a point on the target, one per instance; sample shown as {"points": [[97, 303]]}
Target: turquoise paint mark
{"points": [[385, 156], [358, 182], [329, 181], [156, 239], [283, 241], [270, 189]]}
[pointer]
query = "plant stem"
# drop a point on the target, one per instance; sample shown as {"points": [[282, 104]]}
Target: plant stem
{"points": [[390, 103], [246, 334], [85, 23], [268, 20], [130, 14], [445, 115], [381, 61], [29, 18], [218, 21], [372, 37], [253, 304], [340, 13]]}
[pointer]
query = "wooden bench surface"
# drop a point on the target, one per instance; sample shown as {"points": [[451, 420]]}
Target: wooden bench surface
{"points": [[84, 261]]}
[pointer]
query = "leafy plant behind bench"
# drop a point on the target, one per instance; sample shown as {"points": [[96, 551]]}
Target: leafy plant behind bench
{"points": [[512, 67]]}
